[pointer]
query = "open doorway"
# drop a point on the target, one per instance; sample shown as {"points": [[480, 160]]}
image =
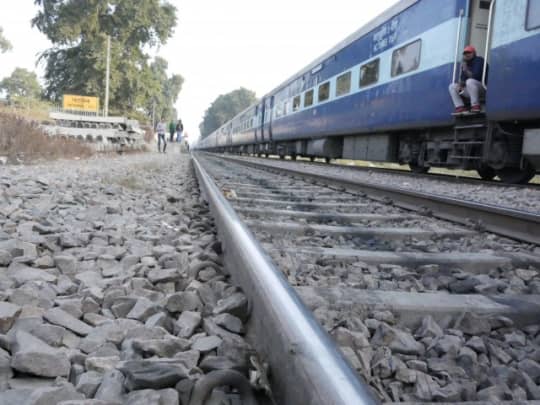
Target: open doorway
{"points": [[478, 25]]}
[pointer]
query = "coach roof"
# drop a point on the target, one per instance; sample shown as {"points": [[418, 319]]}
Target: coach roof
{"points": [[370, 26]]}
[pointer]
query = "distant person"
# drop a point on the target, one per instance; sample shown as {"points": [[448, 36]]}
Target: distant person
{"points": [[186, 136], [179, 131], [470, 82], [172, 130], [160, 129]]}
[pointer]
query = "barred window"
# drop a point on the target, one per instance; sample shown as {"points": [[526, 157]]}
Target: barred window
{"points": [[369, 73], [308, 98], [406, 59], [324, 92], [343, 84], [296, 103]]}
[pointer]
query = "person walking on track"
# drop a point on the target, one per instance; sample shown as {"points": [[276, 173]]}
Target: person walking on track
{"points": [[179, 131], [160, 129], [172, 131]]}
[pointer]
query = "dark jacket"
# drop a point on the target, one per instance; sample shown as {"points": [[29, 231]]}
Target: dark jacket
{"points": [[475, 67], [179, 127]]}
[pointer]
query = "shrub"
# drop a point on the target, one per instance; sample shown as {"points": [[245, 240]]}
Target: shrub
{"points": [[22, 141]]}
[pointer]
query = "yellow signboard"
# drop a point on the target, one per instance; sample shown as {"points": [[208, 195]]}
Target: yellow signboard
{"points": [[81, 103]]}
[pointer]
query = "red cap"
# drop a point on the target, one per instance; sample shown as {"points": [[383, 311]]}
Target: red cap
{"points": [[470, 49]]}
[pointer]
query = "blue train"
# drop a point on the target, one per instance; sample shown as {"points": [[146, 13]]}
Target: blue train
{"points": [[382, 94]]}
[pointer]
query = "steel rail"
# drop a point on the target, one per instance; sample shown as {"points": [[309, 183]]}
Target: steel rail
{"points": [[507, 222], [454, 178], [306, 367]]}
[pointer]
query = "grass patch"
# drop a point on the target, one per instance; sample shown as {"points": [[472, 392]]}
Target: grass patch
{"points": [[129, 182], [30, 109], [22, 141]]}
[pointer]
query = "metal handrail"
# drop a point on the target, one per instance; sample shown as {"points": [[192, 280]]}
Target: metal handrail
{"points": [[488, 42], [305, 364], [458, 37]]}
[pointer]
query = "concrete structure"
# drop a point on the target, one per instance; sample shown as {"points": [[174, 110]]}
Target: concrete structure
{"points": [[103, 133]]}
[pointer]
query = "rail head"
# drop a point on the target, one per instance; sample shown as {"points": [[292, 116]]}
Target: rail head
{"points": [[306, 367]]}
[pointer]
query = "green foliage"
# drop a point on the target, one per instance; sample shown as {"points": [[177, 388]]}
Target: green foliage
{"points": [[21, 84], [5, 45], [77, 62], [224, 108], [162, 91]]}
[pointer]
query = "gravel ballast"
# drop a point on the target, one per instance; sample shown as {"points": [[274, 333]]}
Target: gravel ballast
{"points": [[112, 286], [519, 198]]}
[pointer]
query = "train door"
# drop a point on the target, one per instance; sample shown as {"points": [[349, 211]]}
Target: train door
{"points": [[270, 117], [266, 119], [229, 135], [478, 26], [476, 33], [256, 120]]}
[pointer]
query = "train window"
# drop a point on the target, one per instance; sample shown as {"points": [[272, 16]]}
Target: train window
{"points": [[296, 103], [484, 5], [343, 84], [369, 73], [407, 58], [324, 91], [308, 98], [533, 15]]}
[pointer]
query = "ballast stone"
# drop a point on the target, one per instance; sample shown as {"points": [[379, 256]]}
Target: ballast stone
{"points": [[33, 356], [59, 317], [143, 374], [187, 323], [8, 314], [236, 304]]}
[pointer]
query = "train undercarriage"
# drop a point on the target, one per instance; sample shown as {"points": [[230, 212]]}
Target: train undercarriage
{"points": [[508, 151]]}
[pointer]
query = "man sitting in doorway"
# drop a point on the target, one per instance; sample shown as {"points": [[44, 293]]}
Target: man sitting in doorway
{"points": [[470, 82]]}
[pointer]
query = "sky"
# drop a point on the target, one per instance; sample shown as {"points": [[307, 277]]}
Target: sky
{"points": [[219, 46]]}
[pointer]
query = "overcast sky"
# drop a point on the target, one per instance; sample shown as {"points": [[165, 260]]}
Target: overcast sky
{"points": [[219, 46]]}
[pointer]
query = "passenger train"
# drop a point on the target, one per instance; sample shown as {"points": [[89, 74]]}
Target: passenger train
{"points": [[382, 94]]}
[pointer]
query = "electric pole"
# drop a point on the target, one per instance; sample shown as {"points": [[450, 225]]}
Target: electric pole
{"points": [[106, 112]]}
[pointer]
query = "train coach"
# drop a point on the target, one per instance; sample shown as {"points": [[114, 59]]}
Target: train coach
{"points": [[382, 94]]}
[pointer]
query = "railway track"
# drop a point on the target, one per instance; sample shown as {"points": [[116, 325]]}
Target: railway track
{"points": [[517, 223], [424, 309], [406, 173]]}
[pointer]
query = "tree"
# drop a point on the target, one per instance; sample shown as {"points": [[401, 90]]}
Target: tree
{"points": [[79, 29], [224, 108], [21, 84], [162, 91], [5, 45]]}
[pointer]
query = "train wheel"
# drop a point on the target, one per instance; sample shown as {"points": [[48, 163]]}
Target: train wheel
{"points": [[327, 160], [514, 175], [415, 168], [312, 158], [486, 173], [293, 157], [282, 157], [266, 155]]}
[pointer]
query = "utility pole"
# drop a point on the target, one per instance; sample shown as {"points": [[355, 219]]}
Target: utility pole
{"points": [[153, 114], [106, 112]]}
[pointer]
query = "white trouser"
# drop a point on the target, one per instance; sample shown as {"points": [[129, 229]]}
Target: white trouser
{"points": [[473, 90]]}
